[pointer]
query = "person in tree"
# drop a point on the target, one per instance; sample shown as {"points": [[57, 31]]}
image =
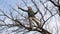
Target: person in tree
{"points": [[31, 15]]}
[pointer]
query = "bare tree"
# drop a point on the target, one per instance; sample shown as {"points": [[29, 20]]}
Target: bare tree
{"points": [[15, 17]]}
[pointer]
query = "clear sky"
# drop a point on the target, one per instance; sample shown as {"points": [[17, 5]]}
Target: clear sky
{"points": [[5, 3]]}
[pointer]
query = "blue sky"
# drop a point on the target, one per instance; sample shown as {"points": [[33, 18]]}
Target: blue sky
{"points": [[5, 3]]}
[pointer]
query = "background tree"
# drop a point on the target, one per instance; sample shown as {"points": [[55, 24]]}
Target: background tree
{"points": [[16, 21]]}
